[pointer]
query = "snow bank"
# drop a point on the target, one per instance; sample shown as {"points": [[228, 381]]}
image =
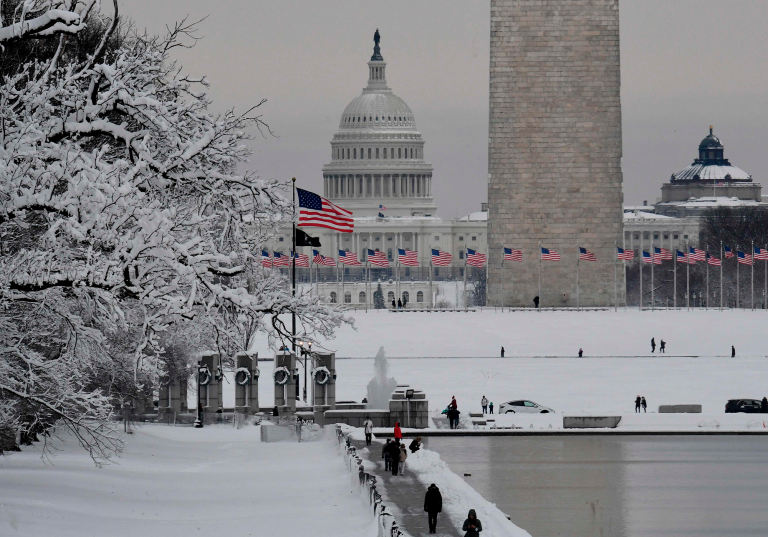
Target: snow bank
{"points": [[459, 497]]}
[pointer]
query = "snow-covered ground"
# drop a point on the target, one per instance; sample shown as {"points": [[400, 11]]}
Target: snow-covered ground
{"points": [[184, 481], [548, 333]]}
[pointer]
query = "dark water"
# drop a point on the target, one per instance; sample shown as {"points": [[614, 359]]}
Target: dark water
{"points": [[617, 486]]}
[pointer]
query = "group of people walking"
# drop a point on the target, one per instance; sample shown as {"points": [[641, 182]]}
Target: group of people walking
{"points": [[453, 413], [662, 346], [640, 403], [400, 303], [487, 408], [394, 453]]}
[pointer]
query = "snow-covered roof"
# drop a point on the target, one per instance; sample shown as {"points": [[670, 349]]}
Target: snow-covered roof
{"points": [[641, 215], [711, 172], [479, 216], [711, 201]]}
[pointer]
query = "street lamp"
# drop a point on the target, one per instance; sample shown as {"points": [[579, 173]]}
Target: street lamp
{"points": [[305, 353], [198, 418]]}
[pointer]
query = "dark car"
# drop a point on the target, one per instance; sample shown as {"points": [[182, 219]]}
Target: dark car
{"points": [[750, 406]]}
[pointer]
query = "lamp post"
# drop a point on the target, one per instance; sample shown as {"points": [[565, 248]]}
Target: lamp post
{"points": [[199, 417], [306, 354]]}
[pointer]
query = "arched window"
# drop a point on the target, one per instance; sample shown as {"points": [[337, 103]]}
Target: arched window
{"points": [[347, 152], [392, 152], [377, 153], [348, 297], [420, 296], [363, 120], [369, 153], [390, 297], [333, 297], [399, 153], [355, 150], [362, 153], [361, 297], [406, 296]]}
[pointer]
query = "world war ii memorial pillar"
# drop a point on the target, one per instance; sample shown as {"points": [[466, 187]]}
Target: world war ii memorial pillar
{"points": [[172, 398], [324, 379], [285, 382], [247, 382], [554, 153], [211, 388]]}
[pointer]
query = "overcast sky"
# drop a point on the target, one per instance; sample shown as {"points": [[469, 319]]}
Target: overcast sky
{"points": [[685, 64]]}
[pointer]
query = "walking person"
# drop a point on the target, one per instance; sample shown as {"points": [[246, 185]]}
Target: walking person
{"points": [[490, 407], [644, 404], [398, 433], [394, 455], [637, 404], [433, 504], [662, 347], [733, 351], [403, 456], [368, 428], [394, 306], [484, 404], [502, 352], [472, 525], [764, 406], [536, 302], [386, 456], [415, 445], [581, 352], [399, 304], [653, 345]]}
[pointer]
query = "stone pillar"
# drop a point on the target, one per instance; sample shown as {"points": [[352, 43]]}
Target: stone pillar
{"points": [[285, 394], [211, 396], [325, 394], [172, 398], [247, 396]]}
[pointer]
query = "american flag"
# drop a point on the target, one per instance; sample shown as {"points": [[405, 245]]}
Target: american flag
{"points": [[348, 258], [648, 258], [744, 259], [280, 260], [586, 255], [662, 253], [320, 259], [510, 254], [440, 258], [301, 260], [475, 259], [378, 258], [316, 211], [382, 208], [713, 260], [626, 255], [266, 261], [698, 255], [407, 257], [761, 253], [549, 255], [728, 252], [682, 258]]}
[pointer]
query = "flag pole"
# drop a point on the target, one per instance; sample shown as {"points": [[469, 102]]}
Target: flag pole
{"points": [[431, 293], [293, 273], [687, 276], [738, 302], [653, 281], [721, 275], [368, 270], [765, 291], [641, 277], [752, 264], [539, 306], [674, 294], [465, 275], [706, 304], [615, 286], [503, 279], [578, 259], [343, 299]]}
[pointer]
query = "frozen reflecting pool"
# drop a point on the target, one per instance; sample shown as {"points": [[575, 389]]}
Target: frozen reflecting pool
{"points": [[617, 486]]}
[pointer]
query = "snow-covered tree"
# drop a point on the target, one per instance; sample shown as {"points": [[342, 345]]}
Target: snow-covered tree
{"points": [[120, 189], [378, 298]]}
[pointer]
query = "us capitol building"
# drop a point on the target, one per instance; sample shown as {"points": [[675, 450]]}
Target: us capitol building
{"points": [[378, 168]]}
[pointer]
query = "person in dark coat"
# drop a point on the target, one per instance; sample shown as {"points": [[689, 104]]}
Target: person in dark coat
{"points": [[399, 304], [490, 407], [764, 406], [733, 351], [394, 455], [637, 403], [581, 352], [643, 404], [449, 415], [502, 352], [472, 525], [653, 345], [393, 304], [386, 456], [662, 346], [415, 445], [433, 504], [536, 302]]}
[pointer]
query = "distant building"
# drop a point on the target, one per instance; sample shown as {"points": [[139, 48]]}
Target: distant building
{"points": [[378, 170]]}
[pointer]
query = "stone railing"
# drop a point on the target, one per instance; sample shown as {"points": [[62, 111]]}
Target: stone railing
{"points": [[385, 521]]}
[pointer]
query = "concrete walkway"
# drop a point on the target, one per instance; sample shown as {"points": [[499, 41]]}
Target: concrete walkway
{"points": [[406, 494]]}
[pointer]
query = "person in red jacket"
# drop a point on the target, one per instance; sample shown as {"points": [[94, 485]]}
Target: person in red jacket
{"points": [[398, 432]]}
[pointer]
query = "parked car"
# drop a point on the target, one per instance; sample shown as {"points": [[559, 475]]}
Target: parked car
{"points": [[750, 406], [524, 407]]}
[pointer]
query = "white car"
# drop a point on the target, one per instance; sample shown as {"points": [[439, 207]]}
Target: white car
{"points": [[523, 407]]}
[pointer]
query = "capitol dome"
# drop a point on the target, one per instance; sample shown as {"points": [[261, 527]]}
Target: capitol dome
{"points": [[711, 165], [377, 154]]}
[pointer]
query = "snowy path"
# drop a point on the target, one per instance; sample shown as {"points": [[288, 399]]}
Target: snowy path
{"points": [[184, 481]]}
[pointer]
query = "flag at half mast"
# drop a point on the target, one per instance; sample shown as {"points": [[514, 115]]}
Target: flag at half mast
{"points": [[316, 211], [475, 258], [348, 258], [440, 258], [586, 255], [626, 255], [549, 255], [407, 258], [320, 259], [510, 254], [378, 258], [761, 253]]}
